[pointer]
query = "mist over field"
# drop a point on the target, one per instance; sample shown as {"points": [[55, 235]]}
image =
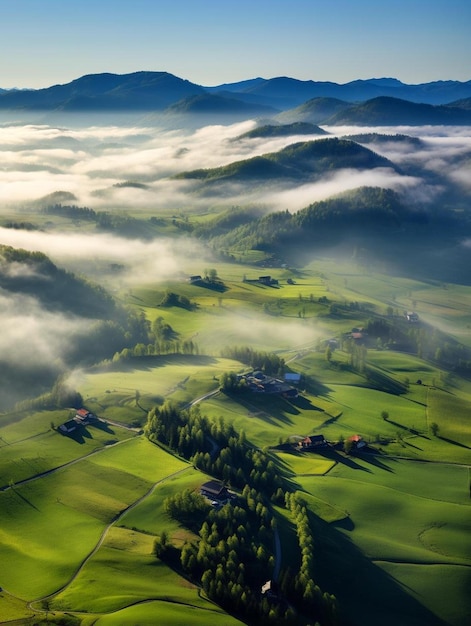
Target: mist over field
{"points": [[130, 170], [93, 164]]}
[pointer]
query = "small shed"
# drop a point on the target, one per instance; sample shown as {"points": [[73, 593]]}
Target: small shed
{"points": [[292, 377]]}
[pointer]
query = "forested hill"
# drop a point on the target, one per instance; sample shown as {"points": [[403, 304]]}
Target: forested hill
{"points": [[385, 111], [371, 216], [283, 130], [301, 161], [34, 274]]}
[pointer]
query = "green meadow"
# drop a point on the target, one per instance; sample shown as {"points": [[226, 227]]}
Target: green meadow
{"points": [[30, 446], [50, 525], [392, 525], [111, 394], [405, 517], [168, 613]]}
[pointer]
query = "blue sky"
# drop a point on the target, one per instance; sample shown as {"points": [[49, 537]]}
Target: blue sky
{"points": [[45, 42]]}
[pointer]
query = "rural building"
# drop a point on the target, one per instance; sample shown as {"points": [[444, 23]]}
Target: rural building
{"points": [[215, 490], [195, 279], [69, 427], [270, 589], [357, 442], [358, 335], [292, 377], [313, 442], [257, 382], [411, 317], [84, 416]]}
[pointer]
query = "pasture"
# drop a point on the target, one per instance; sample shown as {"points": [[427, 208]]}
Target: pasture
{"points": [[112, 393], [78, 502], [392, 526], [170, 614], [30, 446], [411, 520]]}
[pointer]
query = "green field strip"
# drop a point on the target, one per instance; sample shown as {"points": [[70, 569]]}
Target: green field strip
{"points": [[168, 613], [441, 588], [388, 524], [78, 501], [125, 558], [306, 464], [21, 458]]}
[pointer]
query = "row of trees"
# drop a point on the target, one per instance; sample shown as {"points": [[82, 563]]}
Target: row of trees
{"points": [[300, 587]]}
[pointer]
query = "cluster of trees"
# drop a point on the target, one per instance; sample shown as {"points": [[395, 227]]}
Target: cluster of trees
{"points": [[214, 447], [188, 507], [52, 286], [124, 225], [159, 338], [173, 299], [61, 396], [230, 382], [233, 556], [72, 211], [267, 362], [420, 339], [367, 211]]}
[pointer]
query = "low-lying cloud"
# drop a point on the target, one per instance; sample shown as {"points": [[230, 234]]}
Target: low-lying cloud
{"points": [[142, 261]]}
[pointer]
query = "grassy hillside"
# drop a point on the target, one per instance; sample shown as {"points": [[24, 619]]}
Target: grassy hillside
{"points": [[398, 513]]}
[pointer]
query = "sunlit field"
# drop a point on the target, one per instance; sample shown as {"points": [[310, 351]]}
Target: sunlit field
{"points": [[80, 513]]}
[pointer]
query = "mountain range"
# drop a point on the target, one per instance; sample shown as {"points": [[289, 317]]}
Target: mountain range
{"points": [[283, 99]]}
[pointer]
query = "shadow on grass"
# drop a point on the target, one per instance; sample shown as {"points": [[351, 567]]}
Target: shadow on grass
{"points": [[453, 442], [411, 445], [333, 455], [76, 435], [413, 431], [316, 388], [150, 362], [79, 435], [304, 404], [102, 426], [213, 286], [25, 499], [372, 456], [266, 409], [345, 524], [366, 594]]}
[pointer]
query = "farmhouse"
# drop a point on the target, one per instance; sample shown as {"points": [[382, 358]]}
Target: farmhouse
{"points": [[270, 589], [357, 442], [84, 416], [215, 490], [259, 383], [313, 442], [195, 279], [411, 317]]}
